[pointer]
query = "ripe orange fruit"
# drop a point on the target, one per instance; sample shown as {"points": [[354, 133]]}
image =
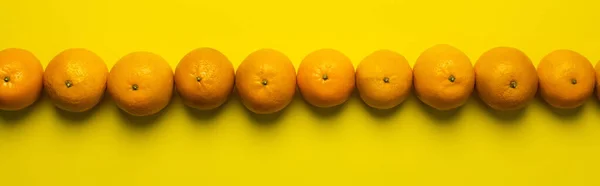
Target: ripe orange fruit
{"points": [[21, 76], [566, 79], [204, 78], [384, 79], [326, 78], [505, 78], [266, 81], [598, 80], [75, 80], [141, 83], [443, 77]]}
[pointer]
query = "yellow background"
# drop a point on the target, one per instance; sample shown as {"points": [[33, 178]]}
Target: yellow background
{"points": [[349, 145]]}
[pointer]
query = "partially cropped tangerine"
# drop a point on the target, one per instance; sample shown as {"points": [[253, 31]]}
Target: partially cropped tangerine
{"points": [[204, 78], [141, 83], [443, 77], [384, 79], [266, 81], [21, 75], [326, 78], [75, 80], [598, 79], [566, 79]]}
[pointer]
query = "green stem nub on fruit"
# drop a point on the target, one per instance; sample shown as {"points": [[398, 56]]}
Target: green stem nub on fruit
{"points": [[452, 78], [325, 77], [198, 78], [386, 80], [513, 84], [6, 79], [573, 81], [68, 83], [134, 87], [264, 82]]}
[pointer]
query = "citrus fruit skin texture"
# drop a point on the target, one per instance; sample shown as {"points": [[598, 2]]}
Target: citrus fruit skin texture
{"points": [[566, 79], [21, 75], [141, 83], [75, 80], [326, 78], [266, 81], [443, 77], [505, 78], [204, 78], [384, 79]]}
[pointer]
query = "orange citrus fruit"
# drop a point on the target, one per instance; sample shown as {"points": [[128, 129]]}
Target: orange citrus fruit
{"points": [[21, 75], [326, 78], [598, 80], [266, 81], [505, 78], [75, 80], [443, 77], [384, 79], [141, 83], [204, 78], [566, 79]]}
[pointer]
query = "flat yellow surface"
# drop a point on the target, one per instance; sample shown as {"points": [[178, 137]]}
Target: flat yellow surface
{"points": [[349, 145]]}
